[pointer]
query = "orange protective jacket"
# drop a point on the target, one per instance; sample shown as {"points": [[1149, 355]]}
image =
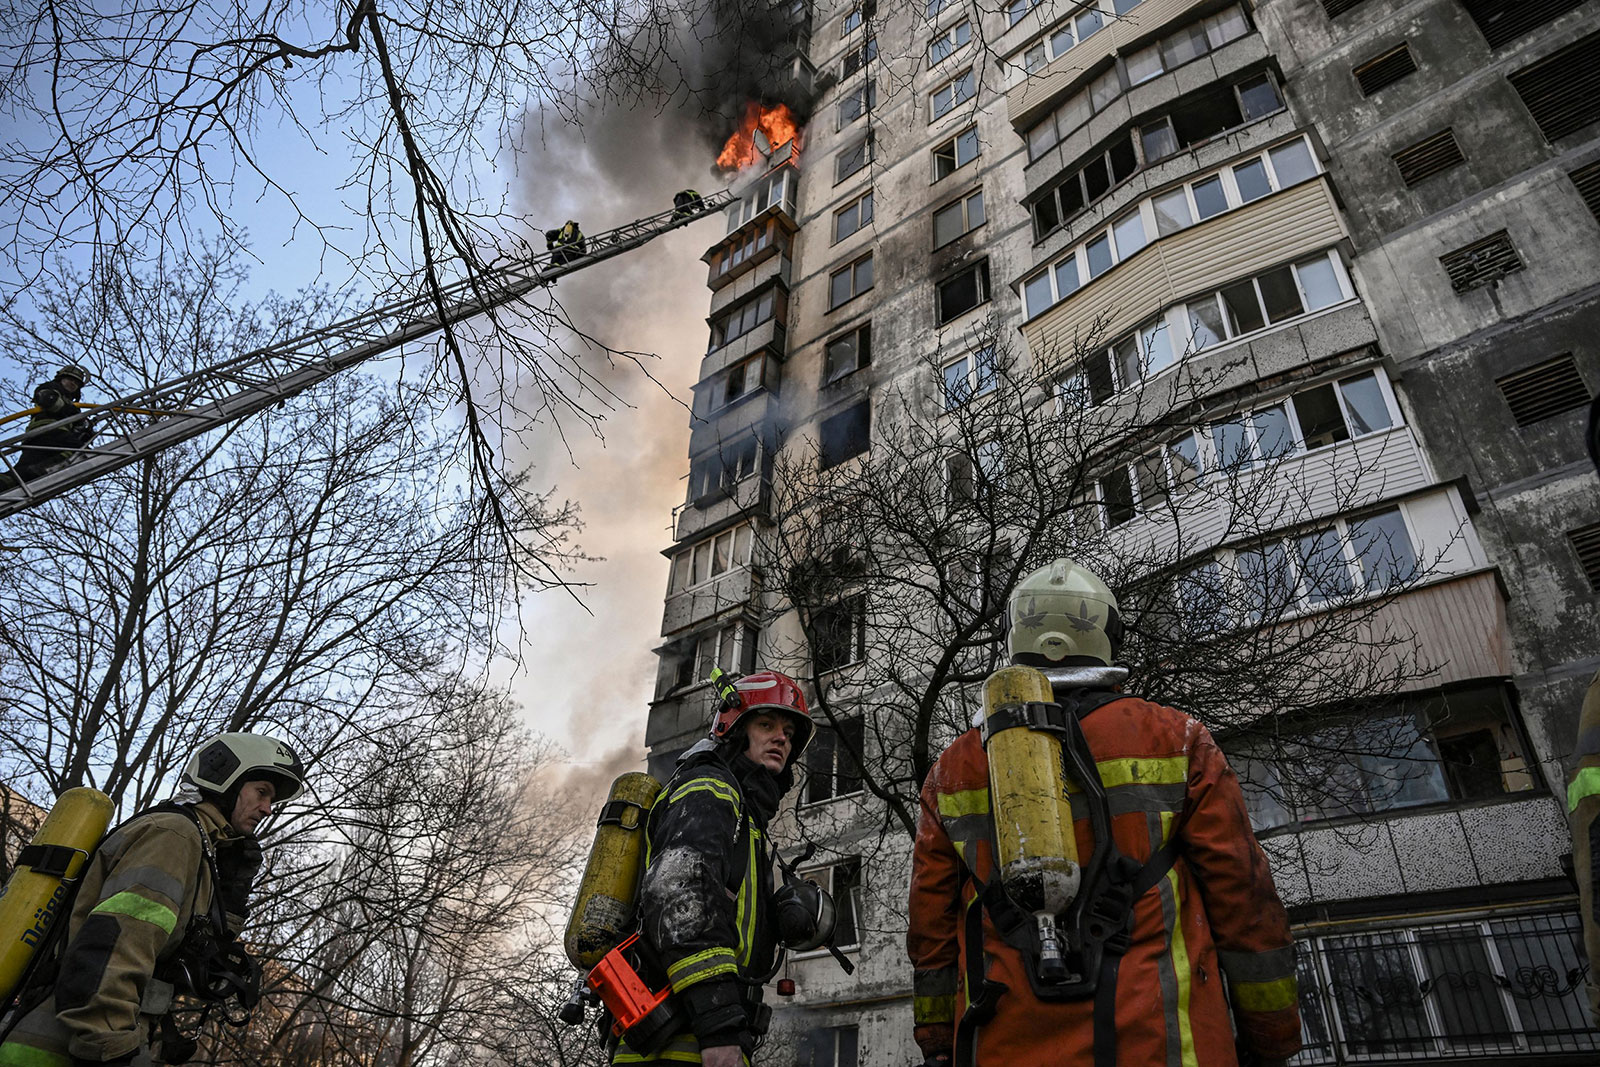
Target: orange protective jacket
{"points": [[1216, 913]]}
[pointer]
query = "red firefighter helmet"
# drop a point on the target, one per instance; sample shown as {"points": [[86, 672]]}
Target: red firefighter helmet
{"points": [[762, 691]]}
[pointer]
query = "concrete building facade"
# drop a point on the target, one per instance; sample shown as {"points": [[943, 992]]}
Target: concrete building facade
{"points": [[1379, 221]]}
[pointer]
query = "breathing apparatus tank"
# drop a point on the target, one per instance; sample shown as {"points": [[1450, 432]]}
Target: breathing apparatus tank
{"points": [[609, 892], [1037, 854], [35, 898]]}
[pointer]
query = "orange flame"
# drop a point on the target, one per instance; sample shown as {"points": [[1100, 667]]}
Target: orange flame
{"points": [[775, 124]]}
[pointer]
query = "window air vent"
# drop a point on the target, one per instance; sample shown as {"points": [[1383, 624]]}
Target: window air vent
{"points": [[1482, 262], [1586, 543], [1503, 21], [1546, 390], [1387, 69], [1429, 156], [1587, 179], [1335, 8], [1562, 91]]}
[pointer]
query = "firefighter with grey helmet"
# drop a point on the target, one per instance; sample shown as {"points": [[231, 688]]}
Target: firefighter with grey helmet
{"points": [[1173, 884], [155, 921], [53, 446], [710, 918]]}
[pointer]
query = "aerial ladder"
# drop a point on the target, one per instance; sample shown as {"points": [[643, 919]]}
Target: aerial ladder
{"points": [[139, 425]]}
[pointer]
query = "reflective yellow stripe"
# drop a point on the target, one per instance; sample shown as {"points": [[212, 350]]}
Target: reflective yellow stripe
{"points": [[1142, 770], [746, 905], [965, 802], [716, 787], [1180, 953], [700, 966], [933, 1009], [136, 907], [1585, 784], [15, 1055], [1266, 996]]}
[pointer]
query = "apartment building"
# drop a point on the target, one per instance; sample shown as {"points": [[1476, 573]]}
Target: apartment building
{"points": [[1379, 222]]}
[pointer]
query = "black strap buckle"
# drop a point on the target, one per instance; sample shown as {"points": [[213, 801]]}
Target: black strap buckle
{"points": [[1033, 715], [51, 860]]}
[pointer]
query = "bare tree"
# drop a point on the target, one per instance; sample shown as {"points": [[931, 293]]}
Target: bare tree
{"points": [[897, 565]]}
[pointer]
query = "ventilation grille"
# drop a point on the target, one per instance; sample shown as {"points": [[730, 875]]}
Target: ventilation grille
{"points": [[1544, 391], [1481, 262], [1562, 91], [1586, 543], [1429, 156], [1336, 8], [1502, 21], [1587, 179], [1385, 70]]}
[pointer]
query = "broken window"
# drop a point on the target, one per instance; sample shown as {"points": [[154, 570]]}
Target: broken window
{"points": [[831, 769], [744, 378], [854, 215], [848, 353], [857, 58], [839, 634], [845, 435], [954, 220], [855, 17], [955, 153], [732, 647], [850, 281], [1205, 114], [958, 295]]}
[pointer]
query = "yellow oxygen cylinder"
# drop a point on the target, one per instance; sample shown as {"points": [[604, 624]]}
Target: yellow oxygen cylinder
{"points": [[1037, 852], [609, 891], [33, 899]]}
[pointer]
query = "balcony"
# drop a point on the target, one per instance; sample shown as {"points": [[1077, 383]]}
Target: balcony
{"points": [[694, 606], [750, 414], [769, 337], [751, 496]]}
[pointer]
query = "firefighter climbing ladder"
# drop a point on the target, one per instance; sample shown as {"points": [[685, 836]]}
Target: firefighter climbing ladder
{"points": [[141, 424]]}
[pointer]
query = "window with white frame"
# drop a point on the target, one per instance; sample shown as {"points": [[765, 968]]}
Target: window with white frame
{"points": [[731, 325], [855, 158], [843, 883], [974, 374], [1018, 8], [731, 647], [859, 57], [955, 153], [775, 190], [1167, 213], [831, 766], [1151, 483], [847, 353], [1177, 48], [974, 476], [713, 557], [832, 1046], [743, 378], [854, 215], [855, 17], [963, 291], [849, 281], [958, 218], [956, 91], [1370, 553], [839, 634], [950, 41], [744, 248], [857, 102]]}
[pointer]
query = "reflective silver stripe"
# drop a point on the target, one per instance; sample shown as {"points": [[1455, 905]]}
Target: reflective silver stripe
{"points": [[965, 831], [153, 879], [1588, 743], [1258, 966]]}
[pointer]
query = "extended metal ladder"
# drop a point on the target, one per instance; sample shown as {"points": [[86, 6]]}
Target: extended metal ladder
{"points": [[141, 424]]}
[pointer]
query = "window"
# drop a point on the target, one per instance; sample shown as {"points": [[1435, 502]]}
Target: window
{"points": [[974, 374], [733, 648], [743, 249], [857, 58], [1128, 232], [955, 219], [1384, 70], [744, 378], [1434, 154], [854, 215], [845, 435], [1258, 97], [850, 281], [854, 158], [776, 191], [1503, 21], [1585, 542], [955, 153], [1544, 390], [722, 469], [1483, 262], [1018, 8], [855, 17], [839, 634], [712, 558], [831, 769], [836, 1046], [848, 353], [950, 41], [857, 103], [1122, 7], [1116, 497], [936, 6], [744, 318], [973, 476], [1172, 212], [957, 295], [1209, 198], [1558, 91], [1144, 65], [957, 90], [1104, 171], [1384, 553]]}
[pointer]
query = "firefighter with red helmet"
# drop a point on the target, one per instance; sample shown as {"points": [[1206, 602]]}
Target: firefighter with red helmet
{"points": [[709, 917], [1180, 903]]}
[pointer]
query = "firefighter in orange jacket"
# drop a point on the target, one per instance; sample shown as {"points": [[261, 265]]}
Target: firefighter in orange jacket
{"points": [[1207, 909]]}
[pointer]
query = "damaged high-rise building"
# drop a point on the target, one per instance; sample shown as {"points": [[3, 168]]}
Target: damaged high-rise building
{"points": [[1351, 248]]}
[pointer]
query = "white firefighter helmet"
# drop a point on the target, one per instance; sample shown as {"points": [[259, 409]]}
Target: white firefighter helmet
{"points": [[1063, 615], [227, 760]]}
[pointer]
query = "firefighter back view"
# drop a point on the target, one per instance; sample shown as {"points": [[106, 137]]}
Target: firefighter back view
{"points": [[1175, 894], [155, 919]]}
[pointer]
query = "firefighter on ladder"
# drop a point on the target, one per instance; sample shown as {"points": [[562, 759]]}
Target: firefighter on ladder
{"points": [[1200, 909], [566, 243], [55, 400]]}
